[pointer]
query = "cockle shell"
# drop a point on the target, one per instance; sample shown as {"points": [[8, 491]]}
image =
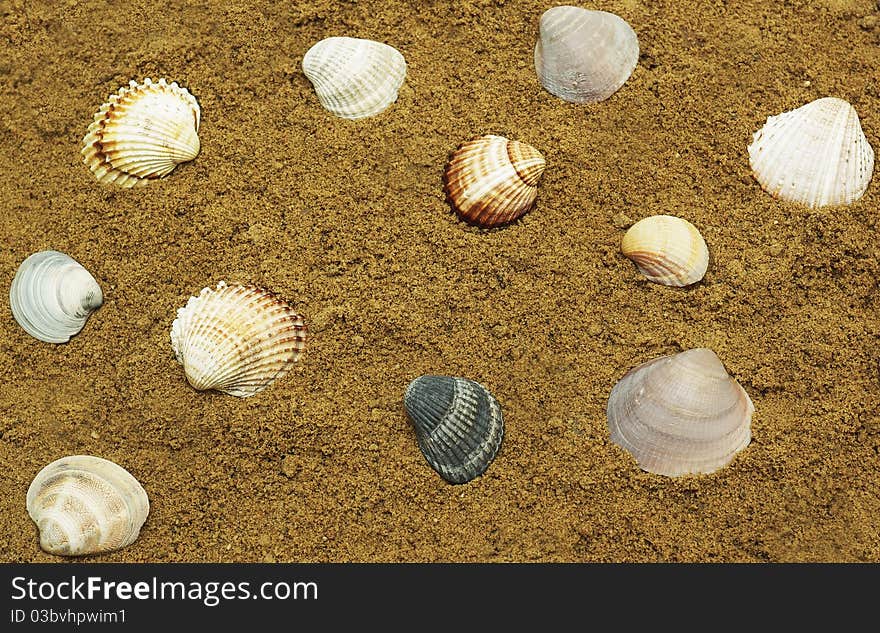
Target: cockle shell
{"points": [[680, 414], [142, 133], [816, 155], [52, 296], [236, 339], [354, 78], [458, 425], [584, 56], [667, 250], [491, 180], [86, 505]]}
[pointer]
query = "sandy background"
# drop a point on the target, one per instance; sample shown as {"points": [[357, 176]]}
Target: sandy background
{"points": [[348, 221]]}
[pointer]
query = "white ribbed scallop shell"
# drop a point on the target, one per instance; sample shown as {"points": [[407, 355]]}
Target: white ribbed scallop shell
{"points": [[142, 133], [680, 414], [236, 339], [667, 250], [354, 78], [86, 505], [491, 180], [584, 56], [52, 296], [816, 155]]}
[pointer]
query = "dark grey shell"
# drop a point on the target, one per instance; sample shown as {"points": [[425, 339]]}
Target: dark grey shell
{"points": [[458, 425]]}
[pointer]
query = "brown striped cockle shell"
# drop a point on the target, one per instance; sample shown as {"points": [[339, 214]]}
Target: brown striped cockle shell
{"points": [[680, 414], [236, 339], [491, 180], [86, 505], [142, 133], [667, 250]]}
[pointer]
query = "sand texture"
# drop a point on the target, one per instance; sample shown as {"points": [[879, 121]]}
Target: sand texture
{"points": [[347, 220]]}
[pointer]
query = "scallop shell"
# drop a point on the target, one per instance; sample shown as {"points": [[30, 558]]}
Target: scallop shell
{"points": [[354, 78], [86, 505], [667, 250], [680, 414], [458, 425], [142, 133], [584, 56], [491, 180], [816, 155], [236, 339], [52, 296]]}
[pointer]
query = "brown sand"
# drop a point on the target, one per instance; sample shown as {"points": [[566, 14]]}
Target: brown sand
{"points": [[347, 220]]}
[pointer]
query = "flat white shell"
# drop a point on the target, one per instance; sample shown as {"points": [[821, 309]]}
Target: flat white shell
{"points": [[52, 296], [354, 78], [142, 133], [236, 339], [584, 56], [816, 155], [680, 414], [86, 505]]}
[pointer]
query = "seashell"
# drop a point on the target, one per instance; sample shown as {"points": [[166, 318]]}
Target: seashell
{"points": [[491, 180], [667, 250], [458, 425], [236, 339], [142, 133], [680, 414], [354, 78], [584, 56], [816, 155], [86, 505], [52, 296]]}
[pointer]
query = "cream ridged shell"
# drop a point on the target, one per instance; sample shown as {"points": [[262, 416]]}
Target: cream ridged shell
{"points": [[52, 296], [491, 180], [815, 155], [236, 339], [680, 414], [667, 250], [142, 133], [584, 56], [354, 78], [86, 505]]}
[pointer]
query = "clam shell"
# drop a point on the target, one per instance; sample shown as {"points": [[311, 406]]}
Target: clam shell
{"points": [[667, 250], [815, 155], [52, 296], [680, 414], [142, 133], [236, 339], [584, 56], [458, 425], [491, 180], [86, 505], [354, 78]]}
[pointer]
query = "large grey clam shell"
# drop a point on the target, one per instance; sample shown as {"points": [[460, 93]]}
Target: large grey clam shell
{"points": [[680, 414], [458, 424]]}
